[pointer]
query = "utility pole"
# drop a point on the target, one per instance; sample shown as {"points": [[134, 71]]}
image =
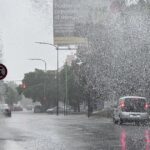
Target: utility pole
{"points": [[66, 101], [57, 49]]}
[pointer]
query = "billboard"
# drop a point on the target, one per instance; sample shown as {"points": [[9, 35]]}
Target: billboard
{"points": [[70, 16]]}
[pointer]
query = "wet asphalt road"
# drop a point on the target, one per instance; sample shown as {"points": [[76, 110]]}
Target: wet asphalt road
{"points": [[28, 131]]}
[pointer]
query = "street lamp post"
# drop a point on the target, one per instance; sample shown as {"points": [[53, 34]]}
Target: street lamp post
{"points": [[57, 49], [57, 80], [45, 64], [66, 92], [45, 69]]}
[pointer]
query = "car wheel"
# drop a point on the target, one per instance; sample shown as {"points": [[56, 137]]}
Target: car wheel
{"points": [[120, 121], [137, 123], [145, 122], [115, 121], [9, 115]]}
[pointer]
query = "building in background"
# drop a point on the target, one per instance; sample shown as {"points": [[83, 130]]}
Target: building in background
{"points": [[70, 59], [72, 15]]}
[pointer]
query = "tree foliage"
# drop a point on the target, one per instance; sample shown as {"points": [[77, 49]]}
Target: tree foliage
{"points": [[70, 75], [36, 81], [11, 94], [40, 86], [117, 56]]}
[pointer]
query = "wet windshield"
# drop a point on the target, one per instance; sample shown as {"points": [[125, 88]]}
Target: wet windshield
{"points": [[63, 66], [135, 105]]}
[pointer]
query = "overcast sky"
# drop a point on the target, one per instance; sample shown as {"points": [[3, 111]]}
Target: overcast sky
{"points": [[21, 25]]}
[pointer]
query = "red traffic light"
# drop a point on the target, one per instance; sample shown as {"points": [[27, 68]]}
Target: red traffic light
{"points": [[23, 85]]}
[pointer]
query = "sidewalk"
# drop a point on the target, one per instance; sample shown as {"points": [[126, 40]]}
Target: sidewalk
{"points": [[103, 114]]}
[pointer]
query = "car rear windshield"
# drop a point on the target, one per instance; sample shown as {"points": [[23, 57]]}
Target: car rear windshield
{"points": [[134, 105]]}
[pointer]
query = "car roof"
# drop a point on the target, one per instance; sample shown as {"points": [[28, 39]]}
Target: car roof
{"points": [[137, 97], [4, 106]]}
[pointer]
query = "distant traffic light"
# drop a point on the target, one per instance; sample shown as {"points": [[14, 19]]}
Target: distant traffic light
{"points": [[23, 86]]}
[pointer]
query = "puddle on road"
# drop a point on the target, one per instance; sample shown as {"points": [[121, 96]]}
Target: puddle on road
{"points": [[12, 145]]}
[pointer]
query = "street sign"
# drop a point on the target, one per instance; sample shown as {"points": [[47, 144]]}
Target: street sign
{"points": [[3, 71]]}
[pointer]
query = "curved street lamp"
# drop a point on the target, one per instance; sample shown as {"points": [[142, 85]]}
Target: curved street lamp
{"points": [[57, 49], [45, 69], [39, 59]]}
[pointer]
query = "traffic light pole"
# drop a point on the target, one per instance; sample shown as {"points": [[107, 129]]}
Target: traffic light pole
{"points": [[57, 81]]}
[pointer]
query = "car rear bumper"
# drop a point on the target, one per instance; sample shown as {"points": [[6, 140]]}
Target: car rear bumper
{"points": [[134, 117], [133, 120]]}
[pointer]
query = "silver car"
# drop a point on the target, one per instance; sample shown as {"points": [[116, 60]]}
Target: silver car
{"points": [[131, 109], [5, 109]]}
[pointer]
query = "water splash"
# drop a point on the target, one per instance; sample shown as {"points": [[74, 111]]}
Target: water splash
{"points": [[133, 2]]}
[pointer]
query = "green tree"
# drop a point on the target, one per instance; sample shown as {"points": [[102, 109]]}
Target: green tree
{"points": [[11, 94], [74, 86], [40, 86]]}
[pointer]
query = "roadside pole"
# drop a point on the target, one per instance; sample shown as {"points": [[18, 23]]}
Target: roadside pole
{"points": [[67, 103]]}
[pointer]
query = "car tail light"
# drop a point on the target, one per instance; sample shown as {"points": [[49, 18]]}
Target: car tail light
{"points": [[146, 106], [122, 104]]}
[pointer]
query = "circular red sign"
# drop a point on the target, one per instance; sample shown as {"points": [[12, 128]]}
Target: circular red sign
{"points": [[3, 71]]}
